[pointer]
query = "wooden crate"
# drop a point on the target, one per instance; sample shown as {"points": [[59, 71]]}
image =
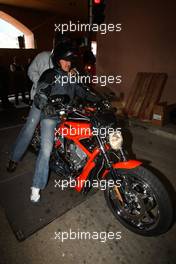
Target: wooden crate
{"points": [[145, 93]]}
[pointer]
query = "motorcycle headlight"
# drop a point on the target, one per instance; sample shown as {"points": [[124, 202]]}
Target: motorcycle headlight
{"points": [[116, 140]]}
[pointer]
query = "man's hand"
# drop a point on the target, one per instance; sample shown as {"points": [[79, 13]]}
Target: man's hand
{"points": [[40, 101], [49, 109], [73, 72]]}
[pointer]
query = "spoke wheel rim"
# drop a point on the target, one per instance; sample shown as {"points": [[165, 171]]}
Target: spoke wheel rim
{"points": [[140, 208]]}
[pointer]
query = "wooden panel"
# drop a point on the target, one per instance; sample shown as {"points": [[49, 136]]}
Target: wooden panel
{"points": [[142, 95], [132, 92], [156, 88], [146, 101], [137, 93]]}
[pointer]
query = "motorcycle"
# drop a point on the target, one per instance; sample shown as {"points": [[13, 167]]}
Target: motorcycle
{"points": [[135, 196]]}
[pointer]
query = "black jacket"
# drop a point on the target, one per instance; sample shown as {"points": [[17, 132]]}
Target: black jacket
{"points": [[50, 84]]}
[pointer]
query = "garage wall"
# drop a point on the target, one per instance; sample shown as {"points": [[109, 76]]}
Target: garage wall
{"points": [[146, 43], [41, 23]]}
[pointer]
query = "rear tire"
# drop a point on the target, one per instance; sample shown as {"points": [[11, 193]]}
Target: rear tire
{"points": [[137, 178]]}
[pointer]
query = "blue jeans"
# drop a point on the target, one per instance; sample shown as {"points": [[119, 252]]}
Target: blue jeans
{"points": [[47, 127], [25, 135]]}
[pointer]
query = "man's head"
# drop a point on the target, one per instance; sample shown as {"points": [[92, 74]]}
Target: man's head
{"points": [[65, 65], [63, 56]]}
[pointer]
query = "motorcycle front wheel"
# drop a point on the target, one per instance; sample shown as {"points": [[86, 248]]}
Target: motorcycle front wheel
{"points": [[144, 206]]}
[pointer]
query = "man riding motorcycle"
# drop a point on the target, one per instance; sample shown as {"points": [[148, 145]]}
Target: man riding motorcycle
{"points": [[41, 63], [48, 86]]}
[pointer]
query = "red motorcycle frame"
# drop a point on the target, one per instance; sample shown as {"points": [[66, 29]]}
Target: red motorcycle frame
{"points": [[76, 138]]}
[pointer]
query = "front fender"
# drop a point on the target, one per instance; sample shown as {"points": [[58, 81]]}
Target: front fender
{"points": [[128, 165]]}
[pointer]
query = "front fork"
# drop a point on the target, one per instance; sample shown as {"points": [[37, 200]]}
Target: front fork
{"points": [[113, 167]]}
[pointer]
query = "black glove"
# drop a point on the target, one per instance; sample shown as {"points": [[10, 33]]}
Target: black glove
{"points": [[49, 110], [40, 101]]}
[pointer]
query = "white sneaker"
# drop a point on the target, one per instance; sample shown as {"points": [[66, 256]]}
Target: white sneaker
{"points": [[35, 196]]}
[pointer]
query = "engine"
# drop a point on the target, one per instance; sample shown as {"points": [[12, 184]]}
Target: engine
{"points": [[76, 156]]}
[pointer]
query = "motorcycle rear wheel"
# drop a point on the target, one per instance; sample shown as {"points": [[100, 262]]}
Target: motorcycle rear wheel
{"points": [[146, 208]]}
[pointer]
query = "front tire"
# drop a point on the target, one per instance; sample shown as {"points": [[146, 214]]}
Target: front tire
{"points": [[147, 209]]}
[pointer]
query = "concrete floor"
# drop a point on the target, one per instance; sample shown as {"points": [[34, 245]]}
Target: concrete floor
{"points": [[94, 215]]}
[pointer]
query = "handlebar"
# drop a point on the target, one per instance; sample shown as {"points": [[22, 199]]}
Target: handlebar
{"points": [[61, 104]]}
